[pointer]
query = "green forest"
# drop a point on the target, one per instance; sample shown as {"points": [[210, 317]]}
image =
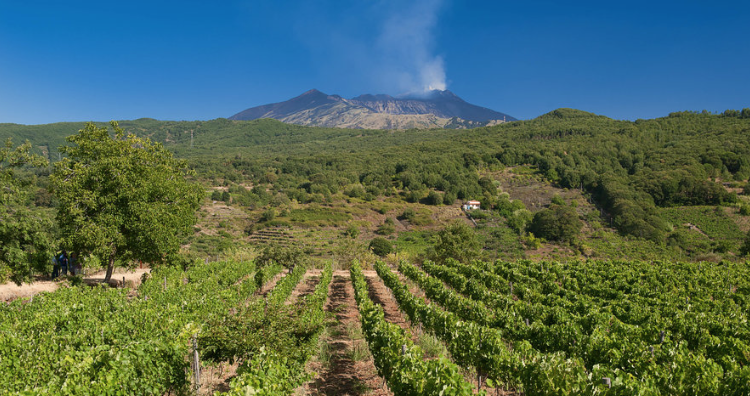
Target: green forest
{"points": [[673, 187]]}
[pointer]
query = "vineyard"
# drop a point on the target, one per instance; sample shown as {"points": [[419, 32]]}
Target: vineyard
{"points": [[523, 327]]}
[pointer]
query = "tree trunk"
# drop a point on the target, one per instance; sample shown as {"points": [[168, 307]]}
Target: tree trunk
{"points": [[110, 267]]}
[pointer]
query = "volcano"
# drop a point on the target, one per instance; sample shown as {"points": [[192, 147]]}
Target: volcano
{"points": [[430, 109]]}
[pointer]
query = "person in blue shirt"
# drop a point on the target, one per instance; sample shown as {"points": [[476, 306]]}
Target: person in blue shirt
{"points": [[63, 260]]}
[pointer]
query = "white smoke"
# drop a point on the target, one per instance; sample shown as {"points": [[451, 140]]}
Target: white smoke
{"points": [[384, 46], [406, 47]]}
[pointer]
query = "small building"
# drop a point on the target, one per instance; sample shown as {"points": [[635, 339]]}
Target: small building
{"points": [[472, 205]]}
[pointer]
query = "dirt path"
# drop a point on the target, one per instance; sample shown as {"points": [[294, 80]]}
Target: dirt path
{"points": [[381, 295], [263, 291], [305, 286], [10, 291], [347, 367]]}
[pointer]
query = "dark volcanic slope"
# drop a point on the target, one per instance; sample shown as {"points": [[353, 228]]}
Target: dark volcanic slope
{"points": [[308, 100], [317, 108], [444, 104]]}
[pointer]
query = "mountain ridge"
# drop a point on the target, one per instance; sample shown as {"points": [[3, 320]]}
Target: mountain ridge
{"points": [[431, 109]]}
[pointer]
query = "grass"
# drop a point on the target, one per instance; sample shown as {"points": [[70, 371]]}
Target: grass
{"points": [[413, 242], [359, 351], [431, 346], [325, 354], [711, 220], [318, 214]]}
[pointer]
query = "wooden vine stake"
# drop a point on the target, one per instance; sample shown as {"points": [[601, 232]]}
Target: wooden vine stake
{"points": [[196, 365], [607, 382], [511, 288]]}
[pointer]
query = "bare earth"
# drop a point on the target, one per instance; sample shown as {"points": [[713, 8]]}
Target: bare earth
{"points": [[342, 375], [11, 291]]}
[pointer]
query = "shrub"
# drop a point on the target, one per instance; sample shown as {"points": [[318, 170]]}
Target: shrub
{"points": [[268, 215], [352, 231], [380, 246], [457, 241], [387, 228], [434, 198], [407, 214], [558, 223], [558, 200]]}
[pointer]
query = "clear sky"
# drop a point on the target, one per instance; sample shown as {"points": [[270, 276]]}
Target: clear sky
{"points": [[197, 60]]}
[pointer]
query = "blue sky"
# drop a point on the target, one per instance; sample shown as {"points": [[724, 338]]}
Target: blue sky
{"points": [[198, 60]]}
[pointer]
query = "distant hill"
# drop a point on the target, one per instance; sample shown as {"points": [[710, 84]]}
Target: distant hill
{"points": [[433, 109]]}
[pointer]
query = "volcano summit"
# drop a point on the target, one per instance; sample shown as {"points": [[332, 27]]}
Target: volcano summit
{"points": [[431, 109]]}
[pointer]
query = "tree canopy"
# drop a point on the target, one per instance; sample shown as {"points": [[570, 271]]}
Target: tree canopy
{"points": [[24, 240], [556, 223], [457, 241], [123, 197]]}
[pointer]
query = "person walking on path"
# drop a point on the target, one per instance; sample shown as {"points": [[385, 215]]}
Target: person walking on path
{"points": [[64, 262], [55, 267]]}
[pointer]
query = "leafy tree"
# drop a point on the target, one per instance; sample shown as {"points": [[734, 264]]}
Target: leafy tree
{"points": [[408, 214], [519, 220], [216, 195], [268, 215], [449, 198], [123, 197], [434, 198], [487, 185], [556, 223], [457, 241], [380, 246], [745, 249], [24, 233], [286, 256]]}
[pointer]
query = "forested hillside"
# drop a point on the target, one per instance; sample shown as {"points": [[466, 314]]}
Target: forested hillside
{"points": [[641, 178]]}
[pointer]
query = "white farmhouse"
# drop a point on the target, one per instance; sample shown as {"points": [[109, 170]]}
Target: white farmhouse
{"points": [[471, 205]]}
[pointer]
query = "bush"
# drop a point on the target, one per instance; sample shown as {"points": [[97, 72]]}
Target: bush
{"points": [[449, 198], [356, 191], [286, 256], [407, 214], [352, 231], [557, 200], [457, 241], [380, 246], [745, 249], [268, 215], [434, 198], [387, 228], [558, 223]]}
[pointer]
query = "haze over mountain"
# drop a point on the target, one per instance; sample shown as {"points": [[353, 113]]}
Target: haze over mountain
{"points": [[431, 109]]}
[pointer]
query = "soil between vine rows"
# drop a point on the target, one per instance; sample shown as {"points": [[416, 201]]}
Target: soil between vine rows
{"points": [[343, 375]]}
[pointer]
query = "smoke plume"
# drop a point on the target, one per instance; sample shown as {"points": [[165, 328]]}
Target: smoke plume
{"points": [[405, 46]]}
